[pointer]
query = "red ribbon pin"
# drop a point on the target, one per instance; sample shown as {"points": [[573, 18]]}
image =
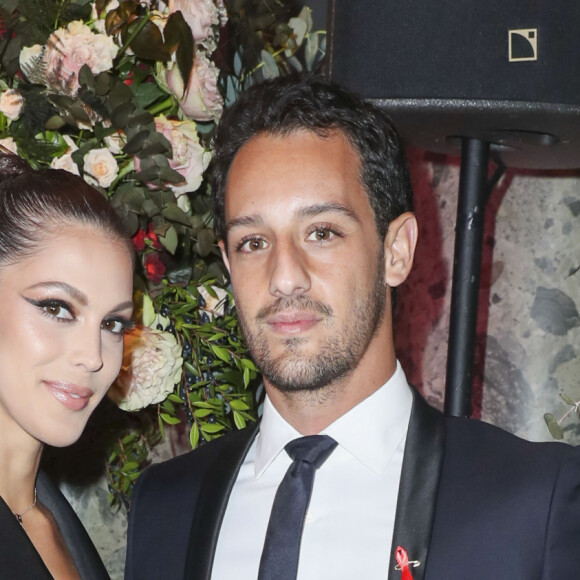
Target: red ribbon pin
{"points": [[403, 563]]}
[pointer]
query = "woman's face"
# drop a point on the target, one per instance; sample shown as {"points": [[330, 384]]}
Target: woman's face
{"points": [[63, 312]]}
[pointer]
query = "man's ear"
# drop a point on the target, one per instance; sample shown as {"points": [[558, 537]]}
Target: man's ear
{"points": [[222, 246], [400, 244]]}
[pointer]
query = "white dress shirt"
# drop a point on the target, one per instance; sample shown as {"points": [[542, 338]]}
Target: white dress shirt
{"points": [[349, 525]]}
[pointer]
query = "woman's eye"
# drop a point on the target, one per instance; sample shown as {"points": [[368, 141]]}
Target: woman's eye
{"points": [[57, 310], [114, 326]]}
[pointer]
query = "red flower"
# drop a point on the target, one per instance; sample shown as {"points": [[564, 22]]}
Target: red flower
{"points": [[142, 236], [154, 267], [151, 235], [139, 241]]}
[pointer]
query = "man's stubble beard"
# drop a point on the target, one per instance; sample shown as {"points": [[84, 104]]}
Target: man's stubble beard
{"points": [[339, 353]]}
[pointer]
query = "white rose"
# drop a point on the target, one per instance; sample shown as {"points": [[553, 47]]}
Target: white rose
{"points": [[100, 167], [65, 161], [11, 103], [115, 142], [151, 368], [10, 144]]}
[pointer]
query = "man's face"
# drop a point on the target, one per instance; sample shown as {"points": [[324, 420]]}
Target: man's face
{"points": [[305, 258]]}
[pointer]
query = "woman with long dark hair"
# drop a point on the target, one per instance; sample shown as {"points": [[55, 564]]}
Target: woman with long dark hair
{"points": [[65, 302]]}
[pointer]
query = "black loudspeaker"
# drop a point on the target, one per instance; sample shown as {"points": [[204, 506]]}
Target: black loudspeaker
{"points": [[503, 71]]}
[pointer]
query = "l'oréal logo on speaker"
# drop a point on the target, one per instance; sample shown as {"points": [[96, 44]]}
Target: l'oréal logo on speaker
{"points": [[523, 44]]}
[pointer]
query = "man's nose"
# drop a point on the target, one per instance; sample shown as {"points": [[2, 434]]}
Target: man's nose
{"points": [[289, 270]]}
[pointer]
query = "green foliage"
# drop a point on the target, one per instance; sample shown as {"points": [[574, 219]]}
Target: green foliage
{"points": [[556, 426], [178, 261]]}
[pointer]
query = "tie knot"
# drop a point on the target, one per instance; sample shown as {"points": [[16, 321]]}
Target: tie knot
{"points": [[314, 449]]}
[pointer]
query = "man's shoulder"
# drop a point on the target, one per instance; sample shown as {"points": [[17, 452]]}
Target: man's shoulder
{"points": [[194, 464], [480, 443]]}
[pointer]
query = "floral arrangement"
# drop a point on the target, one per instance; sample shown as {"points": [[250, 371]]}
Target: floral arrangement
{"points": [[127, 94]]}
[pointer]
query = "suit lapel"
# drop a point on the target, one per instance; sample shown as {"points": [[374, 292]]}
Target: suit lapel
{"points": [[420, 475], [83, 552], [212, 501]]}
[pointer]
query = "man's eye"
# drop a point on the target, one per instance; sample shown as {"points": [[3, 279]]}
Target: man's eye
{"points": [[253, 245], [321, 235]]}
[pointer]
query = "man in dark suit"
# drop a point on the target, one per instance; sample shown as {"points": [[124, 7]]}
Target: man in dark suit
{"points": [[313, 207]]}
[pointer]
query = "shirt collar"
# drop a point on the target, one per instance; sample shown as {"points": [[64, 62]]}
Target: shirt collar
{"points": [[371, 431]]}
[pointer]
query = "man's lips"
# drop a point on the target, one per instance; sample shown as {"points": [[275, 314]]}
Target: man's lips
{"points": [[293, 322], [74, 397]]}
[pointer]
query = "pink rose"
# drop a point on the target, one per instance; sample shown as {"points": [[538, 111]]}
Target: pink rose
{"points": [[68, 49], [190, 159], [11, 103], [202, 100], [200, 15]]}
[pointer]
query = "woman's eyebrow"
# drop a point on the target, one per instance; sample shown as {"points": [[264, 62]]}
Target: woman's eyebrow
{"points": [[81, 297]]}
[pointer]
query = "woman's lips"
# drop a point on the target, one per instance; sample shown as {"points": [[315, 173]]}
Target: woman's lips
{"points": [[73, 397], [293, 322]]}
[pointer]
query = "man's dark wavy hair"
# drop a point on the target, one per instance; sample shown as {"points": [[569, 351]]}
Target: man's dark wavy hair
{"points": [[287, 104]]}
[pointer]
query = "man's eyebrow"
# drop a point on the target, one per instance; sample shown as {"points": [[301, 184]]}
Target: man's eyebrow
{"points": [[308, 211], [244, 221], [327, 207]]}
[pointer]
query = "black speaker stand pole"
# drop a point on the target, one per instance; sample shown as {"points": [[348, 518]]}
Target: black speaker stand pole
{"points": [[473, 193]]}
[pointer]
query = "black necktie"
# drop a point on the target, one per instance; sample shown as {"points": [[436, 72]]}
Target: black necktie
{"points": [[282, 545]]}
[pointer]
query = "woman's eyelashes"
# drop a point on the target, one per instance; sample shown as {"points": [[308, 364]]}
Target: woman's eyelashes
{"points": [[117, 325], [62, 311], [59, 310]]}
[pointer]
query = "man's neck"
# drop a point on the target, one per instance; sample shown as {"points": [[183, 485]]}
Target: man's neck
{"points": [[310, 412]]}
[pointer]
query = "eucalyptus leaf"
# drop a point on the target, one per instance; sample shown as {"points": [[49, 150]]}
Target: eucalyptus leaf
{"points": [[146, 93], [120, 114], [135, 144], [270, 68], [553, 426], [178, 37], [169, 240], [205, 242], [568, 400], [173, 213], [311, 50], [148, 44]]}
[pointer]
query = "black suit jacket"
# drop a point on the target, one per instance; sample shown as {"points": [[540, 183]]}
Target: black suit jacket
{"points": [[19, 560], [475, 503]]}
